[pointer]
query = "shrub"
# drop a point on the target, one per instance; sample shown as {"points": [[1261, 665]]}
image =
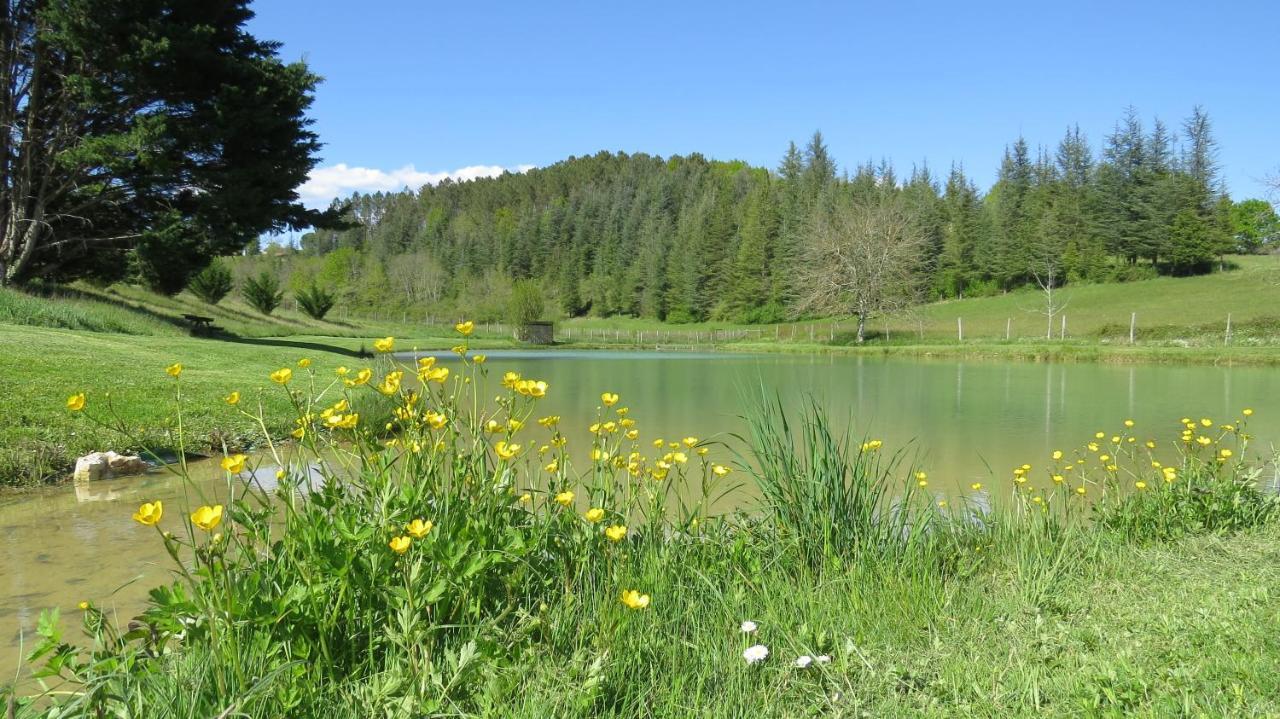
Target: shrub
{"points": [[263, 292], [212, 283], [315, 301], [527, 303]]}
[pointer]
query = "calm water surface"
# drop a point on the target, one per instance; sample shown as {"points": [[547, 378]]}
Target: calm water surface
{"points": [[66, 544]]}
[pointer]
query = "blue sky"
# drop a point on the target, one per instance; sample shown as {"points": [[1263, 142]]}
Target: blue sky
{"points": [[415, 90]]}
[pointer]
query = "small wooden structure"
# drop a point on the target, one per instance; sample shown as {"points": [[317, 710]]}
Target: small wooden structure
{"points": [[538, 333], [201, 326]]}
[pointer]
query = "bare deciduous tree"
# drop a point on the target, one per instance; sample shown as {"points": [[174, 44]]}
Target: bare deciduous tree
{"points": [[1048, 276], [860, 259]]}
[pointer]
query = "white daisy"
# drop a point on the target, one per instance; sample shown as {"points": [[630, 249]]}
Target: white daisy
{"points": [[755, 653]]}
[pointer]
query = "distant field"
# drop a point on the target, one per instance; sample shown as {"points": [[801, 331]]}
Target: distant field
{"points": [[1168, 309]]}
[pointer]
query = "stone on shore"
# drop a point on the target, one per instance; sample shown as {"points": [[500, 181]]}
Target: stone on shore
{"points": [[105, 465]]}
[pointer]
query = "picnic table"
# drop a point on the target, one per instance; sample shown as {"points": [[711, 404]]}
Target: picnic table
{"points": [[200, 325]]}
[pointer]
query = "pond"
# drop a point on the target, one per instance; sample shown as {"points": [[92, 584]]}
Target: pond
{"points": [[66, 544]]}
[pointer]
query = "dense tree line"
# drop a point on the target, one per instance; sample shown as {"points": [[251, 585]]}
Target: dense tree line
{"points": [[688, 238]]}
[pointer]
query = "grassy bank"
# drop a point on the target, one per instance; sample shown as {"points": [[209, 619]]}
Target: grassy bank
{"points": [[39, 441], [463, 566]]}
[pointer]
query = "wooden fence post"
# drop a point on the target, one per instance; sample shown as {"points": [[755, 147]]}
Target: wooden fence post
{"points": [[1133, 325], [960, 329], [1227, 340]]}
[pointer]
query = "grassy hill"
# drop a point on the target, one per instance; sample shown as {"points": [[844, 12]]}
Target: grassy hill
{"points": [[1191, 309]]}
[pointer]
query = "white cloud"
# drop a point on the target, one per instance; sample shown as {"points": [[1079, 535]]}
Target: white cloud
{"points": [[340, 180]]}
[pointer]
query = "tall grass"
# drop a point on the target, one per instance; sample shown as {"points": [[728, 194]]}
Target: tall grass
{"points": [[77, 313], [834, 495]]}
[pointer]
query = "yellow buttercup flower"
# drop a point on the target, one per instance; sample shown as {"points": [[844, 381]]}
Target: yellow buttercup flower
{"points": [[362, 377], [1081, 490], [509, 379], [609, 399], [386, 344], [400, 545], [634, 599], [615, 533], [593, 515], [552, 466], [922, 479], [565, 498], [83, 606], [690, 441], [418, 528], [174, 370], [435, 420], [720, 470], [75, 402], [478, 359], [304, 363], [976, 486], [531, 388], [633, 434], [465, 328], [436, 374], [526, 498], [1224, 452], [1057, 454], [390, 383], [207, 517], [1140, 484], [460, 350], [599, 455], [506, 451], [232, 399], [342, 371], [1206, 422], [282, 375], [1247, 412], [550, 421], [234, 463], [149, 513]]}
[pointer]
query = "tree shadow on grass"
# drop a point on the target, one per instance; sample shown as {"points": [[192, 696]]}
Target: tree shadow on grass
{"points": [[361, 353], [71, 293]]}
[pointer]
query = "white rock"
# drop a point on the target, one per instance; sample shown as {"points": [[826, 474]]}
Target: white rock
{"points": [[105, 465]]}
